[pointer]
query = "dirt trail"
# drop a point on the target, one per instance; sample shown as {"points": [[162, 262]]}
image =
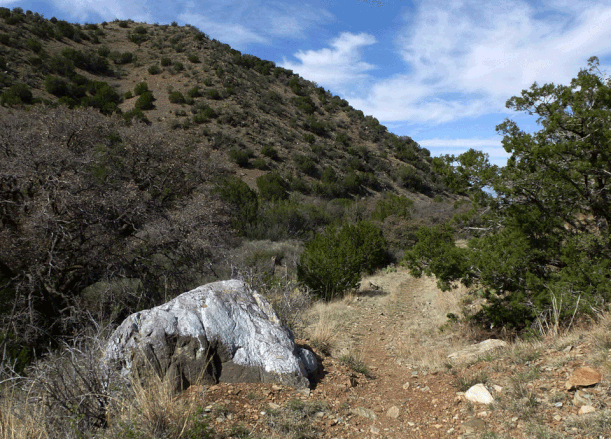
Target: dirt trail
{"points": [[392, 326]]}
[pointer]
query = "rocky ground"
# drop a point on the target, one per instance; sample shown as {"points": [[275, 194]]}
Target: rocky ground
{"points": [[385, 374]]}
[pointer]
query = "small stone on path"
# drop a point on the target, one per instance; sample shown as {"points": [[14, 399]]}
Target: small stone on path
{"points": [[393, 412], [586, 409]]}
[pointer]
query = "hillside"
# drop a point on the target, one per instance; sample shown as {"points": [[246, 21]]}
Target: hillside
{"points": [[263, 118], [142, 160]]}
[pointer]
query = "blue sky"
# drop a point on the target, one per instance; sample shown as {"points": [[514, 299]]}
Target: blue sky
{"points": [[437, 71]]}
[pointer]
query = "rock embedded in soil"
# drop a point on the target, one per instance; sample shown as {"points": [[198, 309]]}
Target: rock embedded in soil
{"points": [[586, 409], [477, 350], [583, 377], [478, 393], [364, 413], [581, 399], [393, 412]]}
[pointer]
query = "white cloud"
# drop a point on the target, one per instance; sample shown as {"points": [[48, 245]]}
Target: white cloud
{"points": [[107, 9], [292, 20], [236, 35], [285, 26], [467, 59], [335, 66]]}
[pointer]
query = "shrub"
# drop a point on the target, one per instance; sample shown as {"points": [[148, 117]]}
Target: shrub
{"points": [[306, 104], [154, 69], [342, 138], [272, 187], [270, 151], [145, 101], [34, 45], [123, 24], [194, 92], [16, 94], [410, 179], [259, 163], [176, 97], [294, 85], [305, 164], [392, 204], [204, 109], [103, 51], [125, 58], [309, 138], [56, 86], [177, 66], [165, 62], [104, 97], [333, 261], [89, 61], [121, 58], [282, 220], [242, 199], [200, 118], [240, 157], [193, 58], [316, 126], [214, 94], [141, 88], [137, 38]]}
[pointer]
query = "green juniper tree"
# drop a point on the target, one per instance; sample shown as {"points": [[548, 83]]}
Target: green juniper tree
{"points": [[542, 239], [332, 262]]}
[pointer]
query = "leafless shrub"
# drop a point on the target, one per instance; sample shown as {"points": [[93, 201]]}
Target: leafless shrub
{"points": [[75, 387], [87, 202]]}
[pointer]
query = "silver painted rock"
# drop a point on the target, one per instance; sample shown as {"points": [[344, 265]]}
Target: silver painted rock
{"points": [[219, 332]]}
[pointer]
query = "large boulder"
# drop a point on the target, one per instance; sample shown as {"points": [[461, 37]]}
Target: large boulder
{"points": [[221, 331]]}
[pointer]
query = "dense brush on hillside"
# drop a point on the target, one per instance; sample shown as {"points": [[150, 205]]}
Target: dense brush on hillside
{"points": [[262, 117]]}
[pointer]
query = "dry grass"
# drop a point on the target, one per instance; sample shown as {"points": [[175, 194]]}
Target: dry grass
{"points": [[327, 325], [152, 412], [70, 394], [20, 417], [155, 411], [423, 355], [450, 301], [355, 360], [323, 332]]}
